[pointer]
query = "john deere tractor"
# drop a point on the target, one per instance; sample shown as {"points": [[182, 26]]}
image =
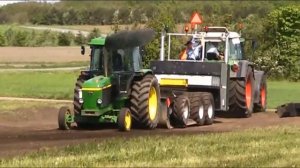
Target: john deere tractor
{"points": [[115, 88]]}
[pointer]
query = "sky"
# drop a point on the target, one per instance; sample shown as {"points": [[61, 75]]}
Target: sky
{"points": [[5, 2]]}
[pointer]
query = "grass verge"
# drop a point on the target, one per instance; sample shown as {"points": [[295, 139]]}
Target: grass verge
{"points": [[271, 147], [60, 85], [52, 85], [280, 92]]}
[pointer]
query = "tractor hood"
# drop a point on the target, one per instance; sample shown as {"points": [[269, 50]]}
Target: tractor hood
{"points": [[97, 83]]}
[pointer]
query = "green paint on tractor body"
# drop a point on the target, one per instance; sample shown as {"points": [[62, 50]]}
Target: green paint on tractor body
{"points": [[105, 92], [98, 41]]}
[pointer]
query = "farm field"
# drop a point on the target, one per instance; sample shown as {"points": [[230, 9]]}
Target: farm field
{"points": [[51, 85], [41, 55], [60, 85]]}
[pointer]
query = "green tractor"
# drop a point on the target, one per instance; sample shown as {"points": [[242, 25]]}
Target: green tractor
{"points": [[115, 89]]}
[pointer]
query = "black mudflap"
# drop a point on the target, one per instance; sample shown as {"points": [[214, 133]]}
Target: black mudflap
{"points": [[288, 110], [164, 118]]}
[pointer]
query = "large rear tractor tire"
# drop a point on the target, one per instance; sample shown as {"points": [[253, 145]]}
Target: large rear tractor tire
{"points": [[197, 108], [209, 108], [124, 120], [145, 101], [241, 95], [262, 105], [181, 112], [64, 118]]}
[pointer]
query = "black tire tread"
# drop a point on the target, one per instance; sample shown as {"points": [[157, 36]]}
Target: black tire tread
{"points": [[195, 102], [139, 101], [208, 100], [237, 100], [177, 115]]}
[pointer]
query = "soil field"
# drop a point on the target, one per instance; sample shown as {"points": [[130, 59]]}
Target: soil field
{"points": [[26, 130], [41, 54]]}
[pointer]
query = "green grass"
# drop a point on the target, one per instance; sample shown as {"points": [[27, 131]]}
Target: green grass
{"points": [[271, 147], [60, 85], [280, 92], [54, 85]]}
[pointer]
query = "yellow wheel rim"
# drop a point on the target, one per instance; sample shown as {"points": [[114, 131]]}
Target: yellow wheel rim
{"points": [[127, 121], [152, 103]]}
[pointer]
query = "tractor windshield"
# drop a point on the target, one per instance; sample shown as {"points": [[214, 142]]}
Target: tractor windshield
{"points": [[126, 59], [96, 59]]}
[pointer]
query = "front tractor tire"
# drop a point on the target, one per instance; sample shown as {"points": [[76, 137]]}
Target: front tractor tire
{"points": [[241, 95], [181, 111], [64, 118], [145, 101], [78, 86], [124, 120]]}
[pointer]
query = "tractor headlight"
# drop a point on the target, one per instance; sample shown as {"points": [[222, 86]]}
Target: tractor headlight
{"points": [[215, 81], [99, 101], [80, 94]]}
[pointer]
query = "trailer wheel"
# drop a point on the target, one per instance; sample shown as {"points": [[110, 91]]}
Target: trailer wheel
{"points": [[197, 108], [181, 113], [209, 108], [144, 102], [262, 105], [64, 118], [124, 119], [241, 95]]}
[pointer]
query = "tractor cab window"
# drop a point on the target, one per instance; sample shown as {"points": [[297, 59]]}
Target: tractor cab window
{"points": [[121, 59], [96, 59], [137, 61], [214, 50], [235, 49]]}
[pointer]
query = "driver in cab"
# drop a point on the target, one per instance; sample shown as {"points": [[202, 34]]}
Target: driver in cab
{"points": [[192, 51]]}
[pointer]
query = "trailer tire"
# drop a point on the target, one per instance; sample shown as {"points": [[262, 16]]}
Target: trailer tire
{"points": [[241, 95], [144, 102], [262, 105], [63, 115], [181, 112], [124, 119], [209, 108], [197, 108]]}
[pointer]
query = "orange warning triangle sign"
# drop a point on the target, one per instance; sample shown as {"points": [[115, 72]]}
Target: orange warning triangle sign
{"points": [[196, 18]]}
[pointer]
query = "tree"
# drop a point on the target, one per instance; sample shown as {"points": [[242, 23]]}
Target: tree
{"points": [[95, 33], [65, 39], [282, 28], [162, 20], [80, 39]]}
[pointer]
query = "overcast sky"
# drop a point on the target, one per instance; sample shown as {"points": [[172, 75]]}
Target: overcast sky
{"points": [[5, 2]]}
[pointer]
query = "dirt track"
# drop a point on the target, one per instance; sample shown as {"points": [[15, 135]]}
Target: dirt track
{"points": [[37, 130]]}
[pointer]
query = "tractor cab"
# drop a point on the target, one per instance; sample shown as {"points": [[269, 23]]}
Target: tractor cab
{"points": [[111, 90]]}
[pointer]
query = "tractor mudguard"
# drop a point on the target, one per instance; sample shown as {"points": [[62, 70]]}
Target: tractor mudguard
{"points": [[288, 110], [258, 76], [244, 64]]}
